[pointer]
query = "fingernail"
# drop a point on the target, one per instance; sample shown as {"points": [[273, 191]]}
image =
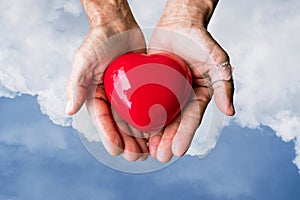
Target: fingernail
{"points": [[177, 150], [69, 107], [232, 109], [143, 157]]}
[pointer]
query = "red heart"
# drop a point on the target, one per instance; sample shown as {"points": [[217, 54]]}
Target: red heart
{"points": [[148, 91]]}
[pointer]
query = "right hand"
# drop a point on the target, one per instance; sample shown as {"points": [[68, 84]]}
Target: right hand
{"points": [[113, 32]]}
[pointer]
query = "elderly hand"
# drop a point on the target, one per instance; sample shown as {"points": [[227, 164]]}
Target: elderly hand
{"points": [[113, 32], [182, 30]]}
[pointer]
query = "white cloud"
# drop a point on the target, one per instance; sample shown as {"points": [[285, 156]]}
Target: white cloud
{"points": [[37, 44], [263, 43], [38, 40]]}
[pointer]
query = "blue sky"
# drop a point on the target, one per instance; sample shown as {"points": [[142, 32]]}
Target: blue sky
{"points": [[256, 157], [246, 164]]}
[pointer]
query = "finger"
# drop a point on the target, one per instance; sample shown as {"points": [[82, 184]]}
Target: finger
{"points": [[78, 81], [102, 118], [144, 148], [164, 152], [132, 150], [142, 142], [190, 121], [154, 141], [135, 132], [75, 98], [223, 96], [221, 77]]}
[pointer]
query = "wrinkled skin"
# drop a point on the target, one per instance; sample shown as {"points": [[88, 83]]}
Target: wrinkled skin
{"points": [[182, 31], [106, 40], [113, 32]]}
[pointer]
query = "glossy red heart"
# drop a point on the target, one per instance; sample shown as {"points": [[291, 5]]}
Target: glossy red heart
{"points": [[148, 91]]}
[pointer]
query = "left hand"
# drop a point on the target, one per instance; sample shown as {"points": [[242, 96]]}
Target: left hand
{"points": [[182, 31]]}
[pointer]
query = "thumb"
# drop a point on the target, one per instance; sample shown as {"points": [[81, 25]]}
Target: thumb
{"points": [[76, 95], [76, 87], [222, 82], [223, 96]]}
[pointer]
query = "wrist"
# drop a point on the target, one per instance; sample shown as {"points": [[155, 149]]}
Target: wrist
{"points": [[115, 13], [195, 13]]}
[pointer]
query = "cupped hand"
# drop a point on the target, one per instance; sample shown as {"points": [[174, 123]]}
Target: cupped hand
{"points": [[113, 32], [182, 31]]}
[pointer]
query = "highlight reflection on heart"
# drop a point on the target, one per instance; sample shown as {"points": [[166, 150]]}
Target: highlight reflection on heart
{"points": [[148, 91]]}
